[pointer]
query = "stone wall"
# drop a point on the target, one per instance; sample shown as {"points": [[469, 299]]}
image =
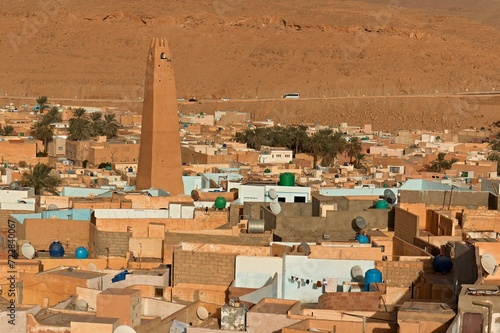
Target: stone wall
{"points": [[116, 241], [406, 225], [400, 273], [351, 301], [203, 268]]}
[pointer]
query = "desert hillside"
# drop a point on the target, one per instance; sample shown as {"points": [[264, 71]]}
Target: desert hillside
{"points": [[261, 49]]}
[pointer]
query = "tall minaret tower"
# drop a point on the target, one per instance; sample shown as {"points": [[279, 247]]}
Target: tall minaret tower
{"points": [[160, 164]]}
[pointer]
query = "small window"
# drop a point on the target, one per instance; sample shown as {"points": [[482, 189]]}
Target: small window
{"points": [[299, 199], [158, 292], [282, 199]]}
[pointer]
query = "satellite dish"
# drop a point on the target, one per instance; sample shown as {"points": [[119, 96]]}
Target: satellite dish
{"points": [[14, 185], [28, 251], [92, 267], [124, 329], [195, 195], [360, 222], [304, 248], [275, 207], [202, 313], [52, 207], [273, 194], [357, 273], [489, 263], [82, 305], [390, 197]]}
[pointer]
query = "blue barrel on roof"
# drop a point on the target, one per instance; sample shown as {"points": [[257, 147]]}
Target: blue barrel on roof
{"points": [[362, 239], [56, 249], [372, 276], [81, 253], [442, 264]]}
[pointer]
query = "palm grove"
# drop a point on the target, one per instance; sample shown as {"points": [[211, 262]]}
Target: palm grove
{"points": [[81, 127], [324, 145]]}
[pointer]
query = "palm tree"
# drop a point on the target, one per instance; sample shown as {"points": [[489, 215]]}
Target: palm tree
{"points": [[7, 130], [495, 157], [53, 116], [110, 125], [299, 138], [440, 164], [335, 144], [353, 148], [41, 101], [80, 127], [495, 144], [97, 123], [360, 162], [249, 137], [43, 131], [318, 145], [41, 180]]}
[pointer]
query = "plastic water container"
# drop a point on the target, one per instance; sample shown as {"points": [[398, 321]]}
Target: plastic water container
{"points": [[81, 253], [56, 249], [372, 276]]}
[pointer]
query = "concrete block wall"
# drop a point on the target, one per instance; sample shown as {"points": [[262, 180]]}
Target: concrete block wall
{"points": [[402, 248], [351, 301], [481, 220], [4, 216], [400, 273], [118, 243], [203, 268], [406, 225]]}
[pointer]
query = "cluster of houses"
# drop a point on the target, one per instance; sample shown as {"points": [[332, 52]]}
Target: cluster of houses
{"points": [[260, 241]]}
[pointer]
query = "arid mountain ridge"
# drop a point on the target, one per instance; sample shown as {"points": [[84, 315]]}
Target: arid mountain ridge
{"points": [[341, 51]]}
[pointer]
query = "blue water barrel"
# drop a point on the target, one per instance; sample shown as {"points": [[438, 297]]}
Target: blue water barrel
{"points": [[56, 249], [372, 276], [81, 253], [442, 264], [362, 239]]}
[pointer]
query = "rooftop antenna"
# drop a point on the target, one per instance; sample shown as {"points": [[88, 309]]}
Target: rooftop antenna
{"points": [[489, 263], [273, 194], [357, 273], [124, 329], [390, 196], [202, 313], [360, 223], [28, 251], [275, 207]]}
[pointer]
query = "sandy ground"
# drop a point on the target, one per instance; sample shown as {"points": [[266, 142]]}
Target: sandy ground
{"points": [[262, 49]]}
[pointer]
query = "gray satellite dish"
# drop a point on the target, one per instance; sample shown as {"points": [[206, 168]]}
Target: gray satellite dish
{"points": [[489, 263], [52, 207], [92, 267], [357, 273], [124, 329], [360, 222], [202, 313], [14, 185], [304, 248], [195, 195], [273, 194], [390, 197], [28, 251], [82, 305], [275, 207]]}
